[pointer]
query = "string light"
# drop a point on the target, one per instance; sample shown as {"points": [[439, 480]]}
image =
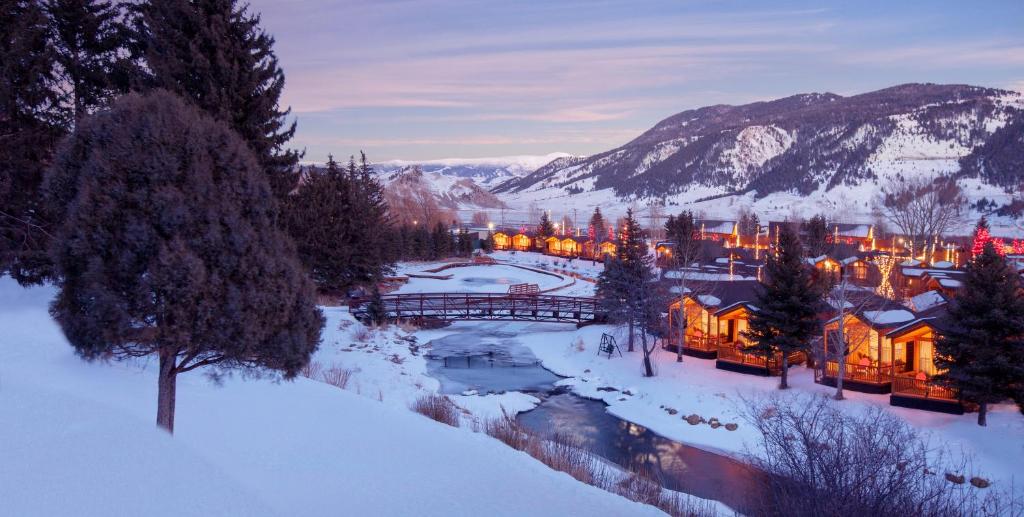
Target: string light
{"points": [[885, 265]]}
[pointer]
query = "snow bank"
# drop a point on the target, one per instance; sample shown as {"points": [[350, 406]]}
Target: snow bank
{"points": [[79, 439]]}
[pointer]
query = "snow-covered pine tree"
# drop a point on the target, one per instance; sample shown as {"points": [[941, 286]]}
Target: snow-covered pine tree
{"points": [[375, 309], [818, 240], [619, 286], [787, 302], [982, 350]]}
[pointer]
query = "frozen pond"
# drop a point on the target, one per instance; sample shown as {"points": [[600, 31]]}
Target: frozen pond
{"points": [[486, 360], [481, 279], [680, 467]]}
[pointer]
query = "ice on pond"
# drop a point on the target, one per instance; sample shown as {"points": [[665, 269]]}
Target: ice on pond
{"points": [[485, 361]]}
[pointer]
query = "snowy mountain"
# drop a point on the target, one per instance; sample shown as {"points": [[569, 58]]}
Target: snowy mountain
{"points": [[486, 172], [818, 151]]}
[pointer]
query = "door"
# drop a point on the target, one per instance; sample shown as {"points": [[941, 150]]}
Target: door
{"points": [[909, 356], [731, 331]]}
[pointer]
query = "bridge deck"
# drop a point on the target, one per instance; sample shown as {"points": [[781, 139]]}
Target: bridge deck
{"points": [[487, 306]]}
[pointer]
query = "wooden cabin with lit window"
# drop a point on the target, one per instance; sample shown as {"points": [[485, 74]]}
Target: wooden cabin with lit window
{"points": [[913, 347], [726, 232], [868, 365], [597, 250], [860, 235], [502, 241], [523, 241]]}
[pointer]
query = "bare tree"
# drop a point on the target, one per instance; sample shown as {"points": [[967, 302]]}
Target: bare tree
{"points": [[847, 299], [682, 230], [923, 211], [481, 219]]}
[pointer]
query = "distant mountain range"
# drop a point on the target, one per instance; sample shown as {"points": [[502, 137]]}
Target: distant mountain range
{"points": [[816, 147], [486, 172]]}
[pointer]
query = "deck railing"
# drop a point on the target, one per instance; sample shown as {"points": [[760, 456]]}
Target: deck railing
{"points": [[701, 343], [875, 374], [734, 353], [486, 306], [913, 387]]}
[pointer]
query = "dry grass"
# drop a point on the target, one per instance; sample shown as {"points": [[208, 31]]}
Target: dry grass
{"points": [[362, 334], [337, 376], [407, 326], [312, 370], [437, 407], [566, 454]]}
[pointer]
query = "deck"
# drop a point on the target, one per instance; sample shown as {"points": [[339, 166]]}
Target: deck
{"points": [[856, 377]]}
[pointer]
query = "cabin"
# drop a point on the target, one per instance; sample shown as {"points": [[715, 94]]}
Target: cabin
{"points": [[912, 277], [860, 235], [913, 346], [502, 241], [522, 241], [597, 251], [726, 232], [868, 365], [825, 267], [861, 270], [572, 246]]}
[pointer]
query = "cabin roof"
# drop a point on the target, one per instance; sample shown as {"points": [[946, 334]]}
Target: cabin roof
{"points": [[716, 226], [860, 231]]}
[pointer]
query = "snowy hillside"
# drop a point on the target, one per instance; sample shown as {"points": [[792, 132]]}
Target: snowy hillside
{"points": [[486, 172], [80, 439], [799, 155]]}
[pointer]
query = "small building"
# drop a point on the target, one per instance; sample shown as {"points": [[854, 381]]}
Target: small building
{"points": [[860, 235], [522, 241], [914, 352], [726, 232], [502, 241]]}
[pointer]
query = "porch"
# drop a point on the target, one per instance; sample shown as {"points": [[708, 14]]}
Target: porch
{"points": [[702, 347], [918, 391], [857, 376], [733, 357]]}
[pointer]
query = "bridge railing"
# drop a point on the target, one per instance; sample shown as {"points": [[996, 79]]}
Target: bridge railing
{"points": [[487, 306]]}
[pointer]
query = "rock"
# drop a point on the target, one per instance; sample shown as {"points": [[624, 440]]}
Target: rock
{"points": [[715, 424], [731, 426], [606, 388], [954, 478], [627, 392], [587, 370], [714, 420], [693, 419], [980, 482], [671, 411]]}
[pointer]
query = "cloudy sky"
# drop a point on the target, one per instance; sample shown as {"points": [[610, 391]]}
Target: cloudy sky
{"points": [[462, 78]]}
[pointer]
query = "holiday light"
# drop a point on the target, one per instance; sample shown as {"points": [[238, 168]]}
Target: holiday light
{"points": [[885, 265]]}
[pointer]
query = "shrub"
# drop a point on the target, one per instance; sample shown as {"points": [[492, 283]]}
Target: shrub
{"points": [[437, 407], [312, 370], [818, 460], [337, 376]]}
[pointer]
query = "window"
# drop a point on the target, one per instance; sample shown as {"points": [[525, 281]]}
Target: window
{"points": [[925, 357]]}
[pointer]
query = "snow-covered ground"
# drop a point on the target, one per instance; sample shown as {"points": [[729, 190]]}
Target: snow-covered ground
{"points": [[478, 279], [79, 439]]}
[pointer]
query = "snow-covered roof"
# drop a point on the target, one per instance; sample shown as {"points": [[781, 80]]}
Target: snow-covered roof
{"points": [[927, 300], [849, 260], [890, 316], [950, 283], [943, 264], [860, 231], [709, 300], [911, 262], [716, 226]]}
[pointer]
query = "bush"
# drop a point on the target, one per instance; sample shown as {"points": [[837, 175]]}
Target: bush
{"points": [[437, 407], [817, 460], [312, 370], [337, 376]]}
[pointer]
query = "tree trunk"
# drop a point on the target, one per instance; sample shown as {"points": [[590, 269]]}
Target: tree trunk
{"points": [[648, 369], [785, 371], [630, 343], [982, 414], [841, 371], [682, 330], [166, 386]]}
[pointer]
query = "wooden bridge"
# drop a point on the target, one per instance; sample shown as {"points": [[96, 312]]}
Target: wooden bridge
{"points": [[484, 306]]}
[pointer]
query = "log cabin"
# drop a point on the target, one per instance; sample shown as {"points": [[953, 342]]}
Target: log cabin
{"points": [[914, 354], [502, 241], [522, 241]]}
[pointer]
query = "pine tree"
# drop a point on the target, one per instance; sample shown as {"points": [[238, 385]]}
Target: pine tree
{"points": [[819, 241], [598, 228], [620, 286], [375, 309], [787, 303], [89, 40], [31, 122], [982, 350], [169, 248], [215, 54], [546, 228], [441, 240]]}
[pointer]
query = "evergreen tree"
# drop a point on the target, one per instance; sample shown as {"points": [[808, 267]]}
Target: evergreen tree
{"points": [[89, 40], [787, 303], [31, 122], [546, 228], [818, 239], [214, 53], [338, 221], [621, 285], [169, 248], [441, 240], [982, 350], [423, 244], [375, 309], [598, 228]]}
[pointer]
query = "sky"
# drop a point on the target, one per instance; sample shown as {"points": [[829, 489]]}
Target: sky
{"points": [[432, 79]]}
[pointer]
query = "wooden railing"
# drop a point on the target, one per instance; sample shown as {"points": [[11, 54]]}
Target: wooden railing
{"points": [[701, 343], [486, 306], [923, 389], [733, 352], [876, 374]]}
